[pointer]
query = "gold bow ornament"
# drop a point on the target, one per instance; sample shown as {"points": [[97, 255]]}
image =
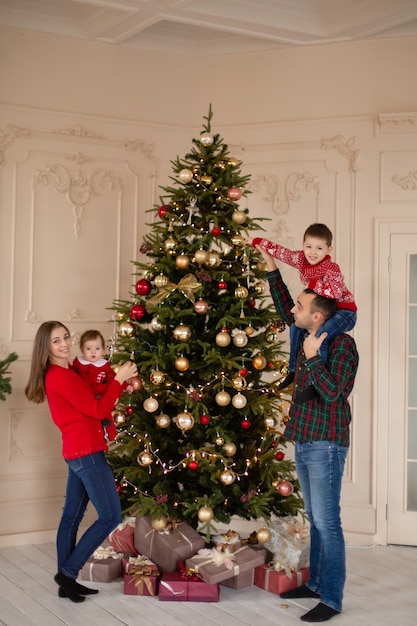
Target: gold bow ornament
{"points": [[188, 285]]}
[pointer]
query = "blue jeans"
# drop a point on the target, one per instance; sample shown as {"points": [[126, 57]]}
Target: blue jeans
{"points": [[320, 466], [90, 478], [341, 322]]}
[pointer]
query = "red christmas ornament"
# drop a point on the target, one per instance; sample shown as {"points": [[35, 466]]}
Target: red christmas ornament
{"points": [[234, 194], [162, 211], [137, 312], [243, 371], [273, 444], [136, 383], [225, 330], [143, 287], [222, 284], [193, 465], [270, 364], [118, 487], [285, 488], [245, 423], [204, 419], [216, 230], [129, 410], [251, 303], [279, 455]]}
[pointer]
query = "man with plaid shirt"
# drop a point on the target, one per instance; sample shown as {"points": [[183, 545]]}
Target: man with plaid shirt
{"points": [[319, 422]]}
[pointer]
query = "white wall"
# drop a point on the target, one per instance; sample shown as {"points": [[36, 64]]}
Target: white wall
{"points": [[306, 124]]}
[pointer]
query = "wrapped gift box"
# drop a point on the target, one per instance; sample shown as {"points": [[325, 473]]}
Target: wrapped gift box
{"points": [[122, 538], [228, 541], [130, 562], [216, 566], [141, 580], [175, 587], [278, 581], [104, 566], [289, 543], [166, 548], [244, 579]]}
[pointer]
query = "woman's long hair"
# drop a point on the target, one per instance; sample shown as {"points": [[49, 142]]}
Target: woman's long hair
{"points": [[35, 389]]}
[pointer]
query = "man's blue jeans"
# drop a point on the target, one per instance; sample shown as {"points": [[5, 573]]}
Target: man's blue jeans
{"points": [[320, 466], [89, 478]]}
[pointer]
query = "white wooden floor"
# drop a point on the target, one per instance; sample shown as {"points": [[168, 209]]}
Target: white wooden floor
{"points": [[381, 590]]}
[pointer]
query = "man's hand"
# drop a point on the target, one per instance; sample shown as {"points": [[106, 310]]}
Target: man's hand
{"points": [[312, 344]]}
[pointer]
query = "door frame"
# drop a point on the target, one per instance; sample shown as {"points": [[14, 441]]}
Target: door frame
{"points": [[383, 231]]}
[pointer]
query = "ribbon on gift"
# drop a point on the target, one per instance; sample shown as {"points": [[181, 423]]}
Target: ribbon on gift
{"points": [[142, 577], [187, 286], [271, 568], [188, 573], [230, 540], [138, 561], [295, 529], [214, 556], [174, 592], [279, 565], [165, 532], [106, 552]]}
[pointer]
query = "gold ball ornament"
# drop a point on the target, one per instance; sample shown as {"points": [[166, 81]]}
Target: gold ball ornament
{"points": [[240, 339], [161, 280], [239, 401], [163, 420], [144, 458], [157, 377], [156, 324], [263, 535], [227, 477], [201, 306], [150, 405], [239, 382], [239, 217], [259, 362], [182, 261], [182, 332], [184, 420], [229, 448], [272, 335], [233, 161], [222, 398], [223, 339], [241, 292], [249, 330], [170, 244], [259, 287], [159, 523], [213, 259], [185, 175], [126, 329], [206, 139], [148, 275], [182, 364], [205, 514], [219, 441], [206, 179], [119, 417], [201, 256], [270, 422], [237, 240]]}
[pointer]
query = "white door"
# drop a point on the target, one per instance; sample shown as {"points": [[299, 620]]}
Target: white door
{"points": [[402, 396]]}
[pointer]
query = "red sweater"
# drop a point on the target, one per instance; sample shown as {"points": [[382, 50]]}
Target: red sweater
{"points": [[76, 411]]}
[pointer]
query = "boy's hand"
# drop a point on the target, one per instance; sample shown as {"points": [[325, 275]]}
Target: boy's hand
{"points": [[269, 261]]}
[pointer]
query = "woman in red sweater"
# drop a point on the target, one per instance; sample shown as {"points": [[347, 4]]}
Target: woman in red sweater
{"points": [[77, 414]]}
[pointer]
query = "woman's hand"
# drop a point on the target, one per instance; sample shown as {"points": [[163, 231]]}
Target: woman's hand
{"points": [[126, 371]]}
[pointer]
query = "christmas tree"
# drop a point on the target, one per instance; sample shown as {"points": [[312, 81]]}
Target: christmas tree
{"points": [[199, 439], [5, 380]]}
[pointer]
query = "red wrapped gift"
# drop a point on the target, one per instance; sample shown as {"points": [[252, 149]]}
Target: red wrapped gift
{"points": [[142, 580], [133, 561], [279, 581], [122, 538], [175, 587], [104, 566], [215, 566], [166, 548]]}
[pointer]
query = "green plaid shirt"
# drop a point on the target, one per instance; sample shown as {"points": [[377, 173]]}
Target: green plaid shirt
{"points": [[328, 416]]}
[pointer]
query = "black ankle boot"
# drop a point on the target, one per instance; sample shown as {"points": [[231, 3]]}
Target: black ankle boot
{"points": [[80, 589], [68, 588]]}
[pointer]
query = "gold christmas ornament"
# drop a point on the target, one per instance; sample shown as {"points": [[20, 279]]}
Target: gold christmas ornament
{"points": [[182, 332], [205, 514], [157, 377], [119, 417], [156, 324], [263, 535], [239, 382], [161, 281], [119, 316], [144, 458], [249, 330], [206, 138], [206, 179], [201, 306], [223, 339], [229, 448], [182, 261], [270, 422], [159, 523], [150, 404], [148, 275], [272, 335], [201, 256], [239, 401], [222, 398], [188, 285], [237, 240], [185, 175], [241, 292], [259, 362], [227, 477], [239, 217], [163, 420], [184, 420], [213, 259], [182, 364], [170, 244], [126, 329], [259, 287], [219, 441], [240, 339], [233, 161]]}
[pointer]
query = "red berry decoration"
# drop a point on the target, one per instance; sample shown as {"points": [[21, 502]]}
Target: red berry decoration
{"points": [[193, 465], [245, 424], [216, 231], [243, 372], [204, 419], [143, 287], [162, 211], [137, 312], [279, 455], [222, 284]]}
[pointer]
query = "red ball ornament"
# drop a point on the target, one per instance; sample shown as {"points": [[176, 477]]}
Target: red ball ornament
{"points": [[193, 465], [285, 488], [162, 211], [216, 230], [204, 419], [243, 371], [222, 284], [118, 487], [129, 410], [136, 383], [143, 287], [273, 444], [137, 312], [279, 455], [251, 303], [270, 364], [234, 194], [245, 424]]}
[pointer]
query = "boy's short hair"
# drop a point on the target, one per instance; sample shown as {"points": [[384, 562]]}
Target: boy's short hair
{"points": [[321, 231], [88, 335]]}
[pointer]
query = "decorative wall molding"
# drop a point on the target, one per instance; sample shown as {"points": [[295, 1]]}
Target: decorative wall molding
{"points": [[389, 123], [407, 182], [11, 134], [345, 147], [270, 187]]}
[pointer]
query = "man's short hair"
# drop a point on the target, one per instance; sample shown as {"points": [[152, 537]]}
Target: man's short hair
{"points": [[326, 306]]}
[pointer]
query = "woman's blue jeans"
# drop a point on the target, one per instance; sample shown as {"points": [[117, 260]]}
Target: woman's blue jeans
{"points": [[320, 466], [89, 478]]}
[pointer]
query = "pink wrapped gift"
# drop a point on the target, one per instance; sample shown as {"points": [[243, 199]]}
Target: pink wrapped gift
{"points": [[122, 537], [104, 566], [244, 579], [175, 587], [215, 566], [166, 548], [142, 580], [278, 581]]}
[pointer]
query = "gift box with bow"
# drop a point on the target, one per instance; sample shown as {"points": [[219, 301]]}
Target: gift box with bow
{"points": [[103, 566], [187, 586], [228, 541], [278, 581], [176, 543], [289, 544], [215, 566], [141, 578], [122, 537]]}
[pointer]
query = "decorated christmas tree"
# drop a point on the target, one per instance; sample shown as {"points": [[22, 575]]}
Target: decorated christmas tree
{"points": [[199, 439]]}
